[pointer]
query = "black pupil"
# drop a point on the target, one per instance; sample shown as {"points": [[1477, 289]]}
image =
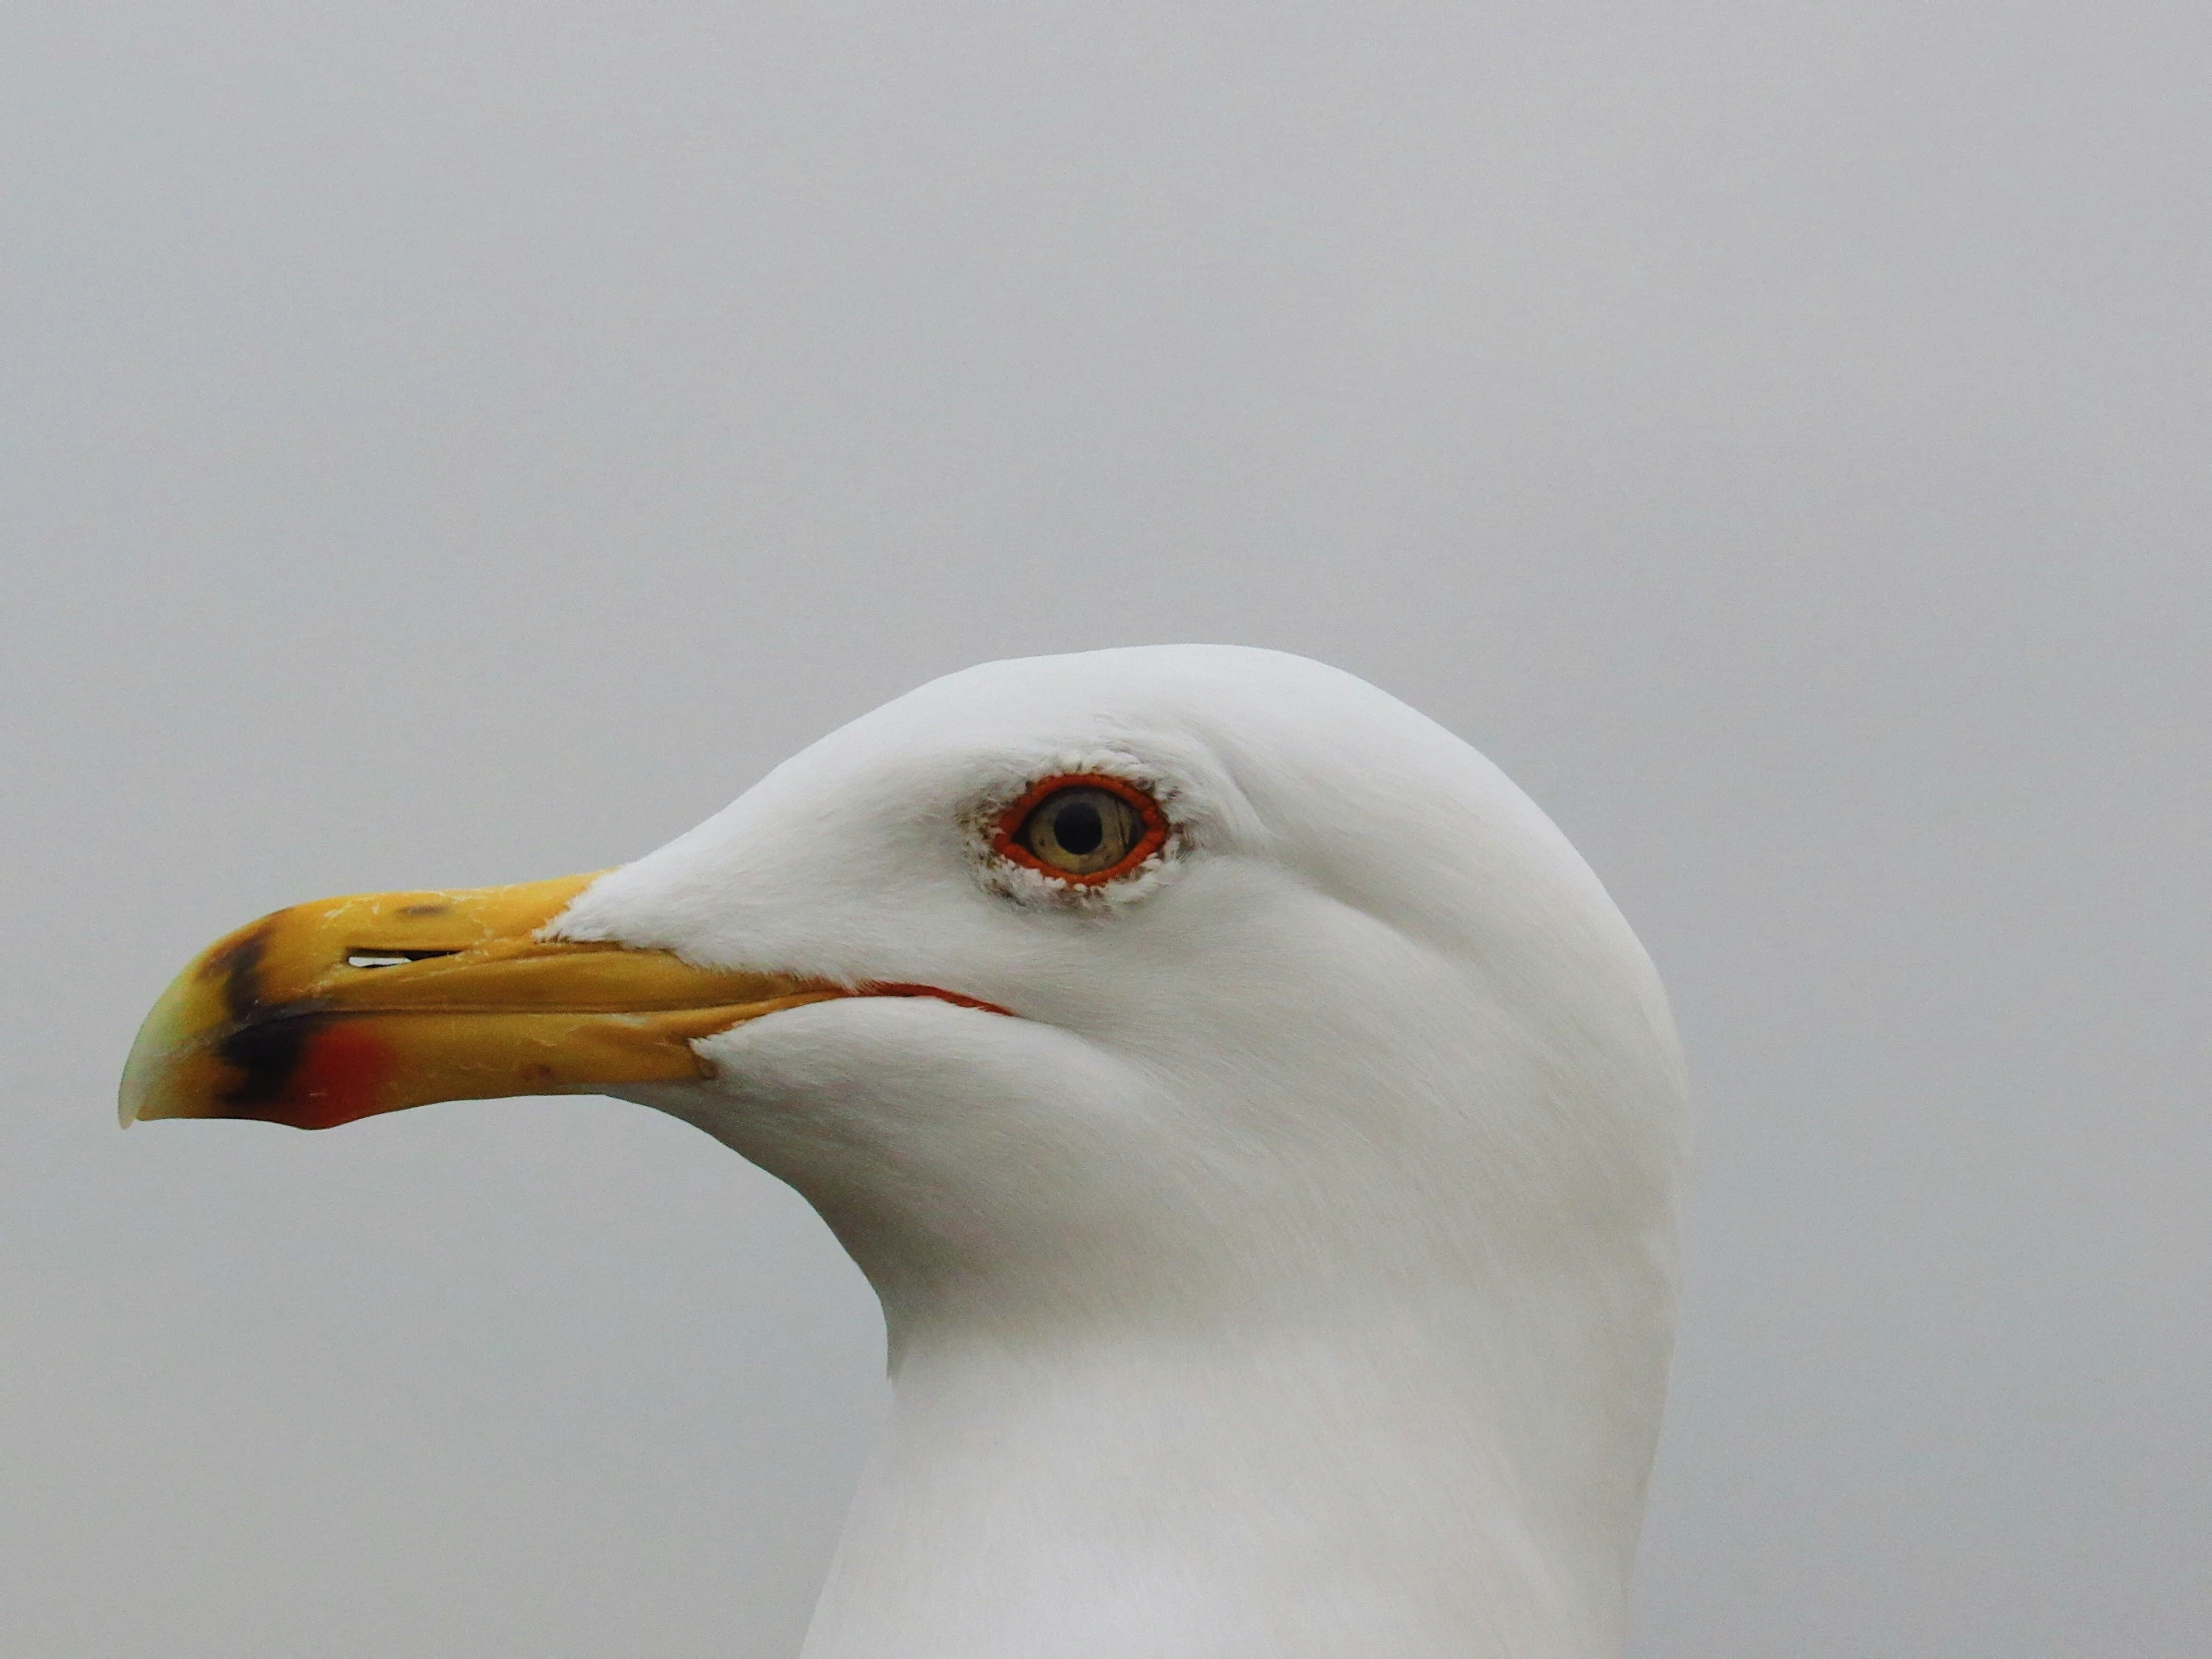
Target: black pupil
{"points": [[1078, 828]]}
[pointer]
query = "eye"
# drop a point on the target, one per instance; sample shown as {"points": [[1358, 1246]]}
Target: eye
{"points": [[1082, 829]]}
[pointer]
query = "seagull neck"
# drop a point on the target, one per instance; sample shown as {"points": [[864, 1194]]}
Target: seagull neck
{"points": [[1448, 1481]]}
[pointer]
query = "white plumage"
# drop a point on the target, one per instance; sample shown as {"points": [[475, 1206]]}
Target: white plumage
{"points": [[1295, 1276]]}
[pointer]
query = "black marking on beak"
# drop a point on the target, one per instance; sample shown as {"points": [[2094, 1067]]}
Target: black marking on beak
{"points": [[265, 1039]]}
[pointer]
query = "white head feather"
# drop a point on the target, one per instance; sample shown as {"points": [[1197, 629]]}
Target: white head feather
{"points": [[1295, 1276]]}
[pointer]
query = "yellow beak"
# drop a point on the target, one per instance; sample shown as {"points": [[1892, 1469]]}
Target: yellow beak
{"points": [[347, 1007]]}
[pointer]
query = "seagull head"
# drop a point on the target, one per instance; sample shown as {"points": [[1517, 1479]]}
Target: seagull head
{"points": [[1067, 986], [1131, 997]]}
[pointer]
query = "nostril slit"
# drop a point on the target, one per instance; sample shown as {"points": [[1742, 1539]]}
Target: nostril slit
{"points": [[393, 958]]}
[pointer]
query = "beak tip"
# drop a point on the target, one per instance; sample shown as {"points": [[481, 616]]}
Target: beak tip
{"points": [[138, 1096], [128, 1098]]}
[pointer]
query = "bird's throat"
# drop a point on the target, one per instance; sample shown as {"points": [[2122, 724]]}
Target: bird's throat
{"points": [[1288, 1494]]}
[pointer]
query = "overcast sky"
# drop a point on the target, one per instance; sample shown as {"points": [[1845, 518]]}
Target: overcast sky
{"points": [[450, 443]]}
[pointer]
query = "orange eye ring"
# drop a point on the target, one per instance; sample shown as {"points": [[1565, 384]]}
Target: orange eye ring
{"points": [[1010, 843]]}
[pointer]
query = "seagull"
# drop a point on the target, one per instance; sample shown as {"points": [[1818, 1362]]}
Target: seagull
{"points": [[1262, 1130]]}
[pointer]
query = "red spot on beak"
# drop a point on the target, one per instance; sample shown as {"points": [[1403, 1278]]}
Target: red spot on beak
{"points": [[340, 1077]]}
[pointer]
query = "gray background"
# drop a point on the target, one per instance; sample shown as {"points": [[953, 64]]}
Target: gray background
{"points": [[456, 443]]}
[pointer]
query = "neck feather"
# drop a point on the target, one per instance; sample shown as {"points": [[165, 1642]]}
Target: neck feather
{"points": [[1459, 1477]]}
